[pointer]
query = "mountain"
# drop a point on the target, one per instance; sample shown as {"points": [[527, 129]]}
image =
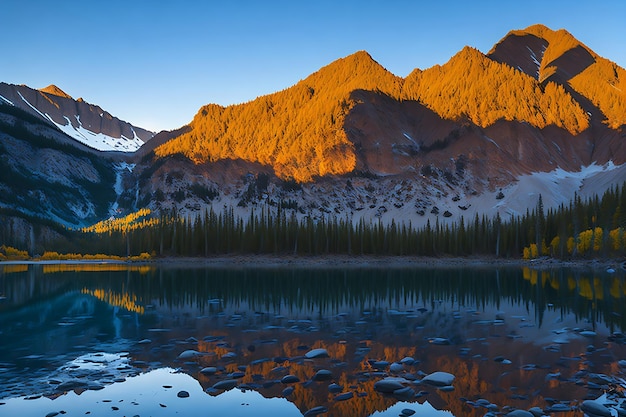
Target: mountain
{"points": [[46, 174], [598, 84], [482, 134], [86, 123], [463, 138]]}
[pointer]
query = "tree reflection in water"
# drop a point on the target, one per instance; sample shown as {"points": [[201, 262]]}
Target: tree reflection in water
{"points": [[513, 338]]}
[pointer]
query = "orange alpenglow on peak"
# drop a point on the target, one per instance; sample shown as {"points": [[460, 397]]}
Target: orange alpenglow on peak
{"points": [[535, 76], [298, 131], [557, 56], [55, 91]]}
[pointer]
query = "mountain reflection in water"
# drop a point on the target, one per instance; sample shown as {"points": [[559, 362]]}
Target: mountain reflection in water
{"points": [[512, 338]]}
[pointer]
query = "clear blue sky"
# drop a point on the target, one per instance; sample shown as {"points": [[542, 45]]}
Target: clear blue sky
{"points": [[154, 63]]}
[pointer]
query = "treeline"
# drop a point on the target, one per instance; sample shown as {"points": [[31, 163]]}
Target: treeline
{"points": [[583, 228], [594, 227]]}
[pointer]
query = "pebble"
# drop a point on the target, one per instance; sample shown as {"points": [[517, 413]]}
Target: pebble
{"points": [[182, 394], [407, 412]]}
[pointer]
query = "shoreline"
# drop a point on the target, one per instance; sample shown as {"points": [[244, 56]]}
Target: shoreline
{"points": [[343, 261]]}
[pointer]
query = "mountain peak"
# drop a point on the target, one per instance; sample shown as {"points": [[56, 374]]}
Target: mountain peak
{"points": [[55, 91]]}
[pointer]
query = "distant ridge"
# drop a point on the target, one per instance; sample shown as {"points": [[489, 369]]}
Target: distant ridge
{"points": [[87, 123]]}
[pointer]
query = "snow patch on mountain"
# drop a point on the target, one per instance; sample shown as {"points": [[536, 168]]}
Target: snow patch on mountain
{"points": [[558, 187], [6, 100], [33, 107], [98, 141]]}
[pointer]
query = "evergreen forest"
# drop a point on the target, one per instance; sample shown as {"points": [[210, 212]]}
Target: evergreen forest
{"points": [[591, 228]]}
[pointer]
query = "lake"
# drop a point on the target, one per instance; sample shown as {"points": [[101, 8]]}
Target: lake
{"points": [[162, 340]]}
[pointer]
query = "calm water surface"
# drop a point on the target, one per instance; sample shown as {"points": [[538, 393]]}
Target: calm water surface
{"points": [[158, 341]]}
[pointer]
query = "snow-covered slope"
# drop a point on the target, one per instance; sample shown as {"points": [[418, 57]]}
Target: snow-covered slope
{"points": [[99, 141], [84, 122]]}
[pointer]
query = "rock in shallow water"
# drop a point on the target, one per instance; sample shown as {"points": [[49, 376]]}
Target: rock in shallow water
{"points": [[388, 385], [322, 375], [594, 408], [209, 370], [317, 353], [439, 379], [189, 354], [344, 396], [315, 411], [182, 394], [226, 384], [290, 379], [334, 388], [396, 367], [520, 413]]}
